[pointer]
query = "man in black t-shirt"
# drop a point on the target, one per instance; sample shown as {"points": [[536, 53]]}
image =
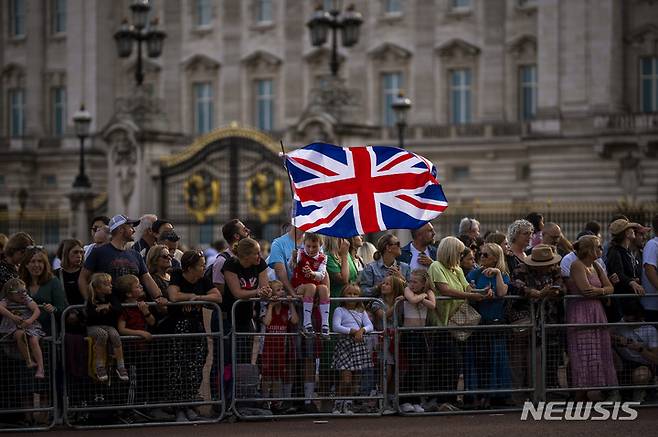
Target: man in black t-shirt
{"points": [[117, 261]]}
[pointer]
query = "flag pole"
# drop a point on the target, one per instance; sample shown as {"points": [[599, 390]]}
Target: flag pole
{"points": [[292, 195]]}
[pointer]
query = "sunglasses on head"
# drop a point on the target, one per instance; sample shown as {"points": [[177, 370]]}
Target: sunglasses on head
{"points": [[34, 247], [20, 290]]}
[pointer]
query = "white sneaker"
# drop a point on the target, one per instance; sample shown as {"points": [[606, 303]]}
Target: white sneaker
{"points": [[338, 408], [347, 408], [191, 414], [180, 416], [407, 408], [418, 409]]}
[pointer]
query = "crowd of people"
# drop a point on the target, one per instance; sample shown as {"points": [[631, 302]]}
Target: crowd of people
{"points": [[125, 279]]}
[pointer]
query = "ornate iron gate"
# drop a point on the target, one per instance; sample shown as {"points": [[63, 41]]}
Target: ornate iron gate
{"points": [[229, 173]]}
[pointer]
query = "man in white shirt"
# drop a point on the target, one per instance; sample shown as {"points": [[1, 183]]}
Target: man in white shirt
{"points": [[650, 275], [420, 252]]}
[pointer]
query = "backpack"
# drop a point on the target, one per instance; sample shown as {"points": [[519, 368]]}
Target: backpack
{"points": [[207, 274]]}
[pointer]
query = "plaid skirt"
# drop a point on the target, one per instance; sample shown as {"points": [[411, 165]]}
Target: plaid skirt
{"points": [[351, 355]]}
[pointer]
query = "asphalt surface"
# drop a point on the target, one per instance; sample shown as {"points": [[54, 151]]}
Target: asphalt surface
{"points": [[507, 425]]}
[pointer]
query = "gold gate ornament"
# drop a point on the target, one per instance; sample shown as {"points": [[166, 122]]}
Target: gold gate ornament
{"points": [[264, 195], [201, 196]]}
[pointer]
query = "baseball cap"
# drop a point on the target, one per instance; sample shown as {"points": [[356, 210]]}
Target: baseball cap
{"points": [[119, 220]]}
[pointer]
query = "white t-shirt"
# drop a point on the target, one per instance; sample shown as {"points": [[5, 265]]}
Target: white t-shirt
{"points": [[645, 334], [414, 264], [649, 257], [568, 259]]}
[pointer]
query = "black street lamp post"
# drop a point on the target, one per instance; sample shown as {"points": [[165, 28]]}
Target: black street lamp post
{"points": [[348, 23], [139, 32], [82, 120], [401, 106]]}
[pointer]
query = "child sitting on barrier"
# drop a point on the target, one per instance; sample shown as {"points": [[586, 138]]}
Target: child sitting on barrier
{"points": [[310, 278], [103, 310], [351, 353], [134, 320], [278, 357], [21, 322], [419, 299]]}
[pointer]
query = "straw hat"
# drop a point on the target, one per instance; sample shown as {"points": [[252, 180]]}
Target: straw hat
{"points": [[542, 255], [620, 225]]}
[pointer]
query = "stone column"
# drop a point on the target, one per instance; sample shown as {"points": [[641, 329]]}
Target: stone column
{"points": [[81, 212]]}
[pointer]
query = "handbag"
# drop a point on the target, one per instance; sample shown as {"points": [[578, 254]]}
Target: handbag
{"points": [[465, 315]]}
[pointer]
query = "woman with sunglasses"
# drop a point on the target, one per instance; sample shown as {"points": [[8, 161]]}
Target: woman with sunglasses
{"points": [[42, 285], [590, 349], [385, 263], [491, 346], [158, 263]]}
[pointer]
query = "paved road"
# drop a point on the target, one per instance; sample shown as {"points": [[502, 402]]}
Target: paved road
{"points": [[507, 425]]}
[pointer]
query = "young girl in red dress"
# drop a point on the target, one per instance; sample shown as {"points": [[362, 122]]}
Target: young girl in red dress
{"points": [[278, 358]]}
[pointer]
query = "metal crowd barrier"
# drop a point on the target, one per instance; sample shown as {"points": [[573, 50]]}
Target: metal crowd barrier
{"points": [[469, 368], [272, 371], [582, 357], [168, 374], [28, 403]]}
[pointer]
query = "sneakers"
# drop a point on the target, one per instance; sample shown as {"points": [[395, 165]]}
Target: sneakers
{"points": [[191, 414], [180, 416], [101, 374], [418, 408], [308, 331], [407, 408], [338, 408], [325, 331], [347, 408], [122, 373]]}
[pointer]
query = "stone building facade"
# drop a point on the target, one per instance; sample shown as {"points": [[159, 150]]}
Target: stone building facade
{"points": [[516, 100]]}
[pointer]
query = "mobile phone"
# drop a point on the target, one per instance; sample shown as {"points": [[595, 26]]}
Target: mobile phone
{"points": [[481, 290]]}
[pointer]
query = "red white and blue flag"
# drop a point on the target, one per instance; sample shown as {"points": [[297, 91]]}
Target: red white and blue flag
{"points": [[347, 191]]}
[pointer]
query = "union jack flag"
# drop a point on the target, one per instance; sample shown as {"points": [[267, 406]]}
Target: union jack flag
{"points": [[347, 191]]}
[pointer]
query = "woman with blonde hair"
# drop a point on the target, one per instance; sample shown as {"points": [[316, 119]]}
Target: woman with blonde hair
{"points": [[42, 285], [448, 280], [590, 349], [158, 263], [491, 346]]}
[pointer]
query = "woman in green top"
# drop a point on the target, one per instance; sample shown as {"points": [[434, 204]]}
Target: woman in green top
{"points": [[340, 265], [42, 286], [448, 280]]}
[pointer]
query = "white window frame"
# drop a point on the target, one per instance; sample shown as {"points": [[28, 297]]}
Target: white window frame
{"points": [[202, 94], [260, 7], [264, 99], [58, 110], [461, 5], [389, 92], [652, 77], [392, 7], [203, 13], [58, 16], [16, 112], [528, 86], [465, 94], [17, 18]]}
